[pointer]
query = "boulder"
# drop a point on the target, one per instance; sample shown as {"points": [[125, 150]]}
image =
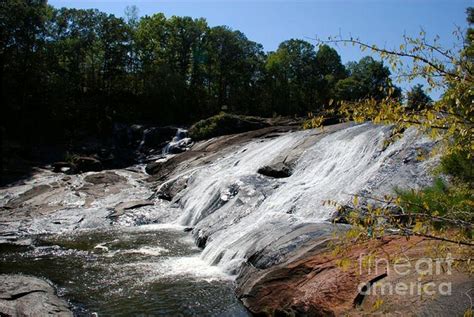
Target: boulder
{"points": [[169, 189], [86, 164], [62, 167], [224, 124], [154, 167], [106, 178], [178, 146], [30, 296], [78, 164]]}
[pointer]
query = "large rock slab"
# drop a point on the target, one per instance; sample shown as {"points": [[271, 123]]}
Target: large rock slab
{"points": [[206, 151], [320, 282], [30, 296]]}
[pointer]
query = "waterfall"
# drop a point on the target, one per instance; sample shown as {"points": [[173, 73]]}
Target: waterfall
{"points": [[179, 143], [240, 212]]}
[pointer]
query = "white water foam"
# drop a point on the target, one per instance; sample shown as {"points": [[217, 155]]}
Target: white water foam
{"points": [[242, 212]]}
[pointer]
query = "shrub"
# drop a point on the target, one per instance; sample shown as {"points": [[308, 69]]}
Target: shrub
{"points": [[459, 165], [440, 199], [223, 124]]}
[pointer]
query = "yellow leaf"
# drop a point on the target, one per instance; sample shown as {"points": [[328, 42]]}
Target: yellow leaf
{"points": [[355, 201]]}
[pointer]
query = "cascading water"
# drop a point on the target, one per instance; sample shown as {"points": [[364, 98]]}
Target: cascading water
{"points": [[240, 212], [179, 143], [127, 251]]}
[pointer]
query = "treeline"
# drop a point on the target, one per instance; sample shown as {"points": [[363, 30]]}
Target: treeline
{"points": [[65, 72]]}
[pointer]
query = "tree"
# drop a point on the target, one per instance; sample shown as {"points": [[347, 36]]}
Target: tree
{"points": [[293, 77], [331, 71], [22, 36], [232, 67], [182, 56], [417, 99], [367, 79]]}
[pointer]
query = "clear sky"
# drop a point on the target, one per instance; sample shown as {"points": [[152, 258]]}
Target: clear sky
{"points": [[269, 22]]}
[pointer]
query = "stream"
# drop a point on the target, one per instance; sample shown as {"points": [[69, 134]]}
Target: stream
{"points": [[144, 270], [112, 247]]}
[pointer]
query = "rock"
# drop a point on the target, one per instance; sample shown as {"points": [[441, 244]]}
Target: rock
{"points": [[30, 296], [29, 194], [170, 189], [105, 178], [62, 167], [124, 206], [154, 167], [79, 164], [179, 146], [224, 124], [157, 137], [200, 238], [204, 152], [87, 164], [15, 244], [278, 170], [100, 249], [313, 282]]}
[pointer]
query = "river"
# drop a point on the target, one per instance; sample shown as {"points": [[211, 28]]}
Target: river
{"points": [[141, 258]]}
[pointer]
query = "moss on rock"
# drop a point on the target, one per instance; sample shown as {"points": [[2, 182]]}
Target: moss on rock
{"points": [[223, 124]]}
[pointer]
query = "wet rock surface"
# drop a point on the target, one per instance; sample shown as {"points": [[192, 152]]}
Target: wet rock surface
{"points": [[51, 202], [30, 296], [253, 202], [170, 189], [207, 151], [122, 208]]}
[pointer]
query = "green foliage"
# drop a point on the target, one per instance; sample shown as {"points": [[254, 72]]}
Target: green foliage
{"points": [[293, 74], [450, 119], [439, 199], [367, 79], [460, 165], [68, 73], [70, 157], [330, 72], [223, 124]]}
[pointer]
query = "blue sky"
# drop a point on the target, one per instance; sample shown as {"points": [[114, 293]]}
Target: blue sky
{"points": [[270, 22]]}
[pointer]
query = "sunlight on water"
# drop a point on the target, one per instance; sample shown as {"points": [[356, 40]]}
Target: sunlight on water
{"points": [[122, 272], [242, 211]]}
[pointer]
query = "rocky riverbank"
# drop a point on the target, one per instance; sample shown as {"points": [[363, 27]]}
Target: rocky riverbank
{"points": [[315, 281], [252, 202], [30, 296]]}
